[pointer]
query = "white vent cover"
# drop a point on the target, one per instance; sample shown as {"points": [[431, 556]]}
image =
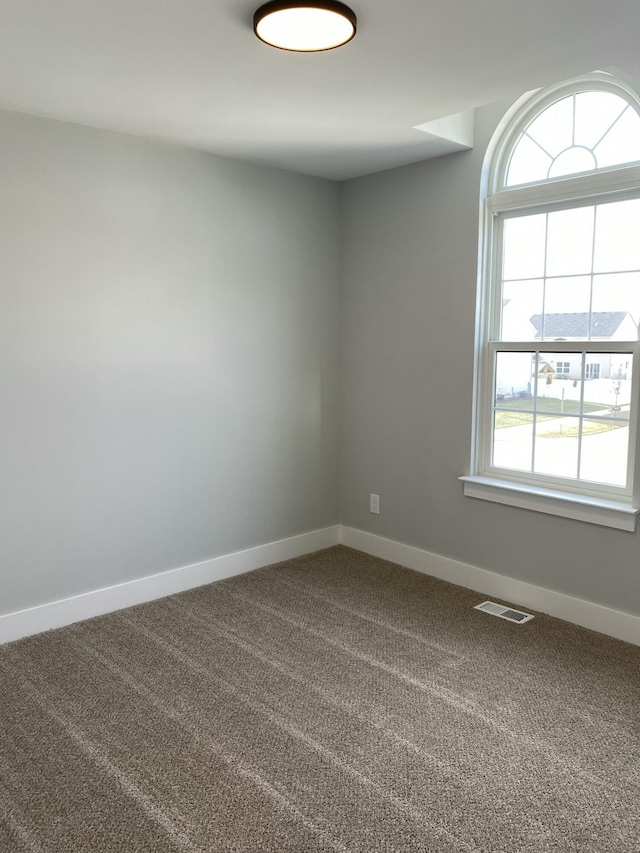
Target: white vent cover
{"points": [[503, 612]]}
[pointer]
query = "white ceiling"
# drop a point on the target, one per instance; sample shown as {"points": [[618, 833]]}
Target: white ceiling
{"points": [[192, 71]]}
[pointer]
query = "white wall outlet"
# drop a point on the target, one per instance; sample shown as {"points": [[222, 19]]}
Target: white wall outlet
{"points": [[374, 504]]}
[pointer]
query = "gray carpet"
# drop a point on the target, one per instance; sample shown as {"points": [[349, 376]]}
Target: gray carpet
{"points": [[331, 703]]}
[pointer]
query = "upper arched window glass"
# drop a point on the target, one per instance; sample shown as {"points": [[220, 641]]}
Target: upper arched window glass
{"points": [[582, 132]]}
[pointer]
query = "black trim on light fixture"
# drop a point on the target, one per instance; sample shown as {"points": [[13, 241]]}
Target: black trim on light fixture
{"points": [[286, 5]]}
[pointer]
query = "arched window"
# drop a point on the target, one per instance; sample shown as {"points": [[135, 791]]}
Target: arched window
{"points": [[557, 370]]}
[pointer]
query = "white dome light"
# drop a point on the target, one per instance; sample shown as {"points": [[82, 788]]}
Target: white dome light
{"points": [[305, 26]]}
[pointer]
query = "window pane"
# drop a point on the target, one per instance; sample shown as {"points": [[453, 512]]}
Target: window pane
{"points": [[557, 443], [607, 386], [604, 452], [528, 163], [563, 296], [595, 114], [553, 129], [570, 241], [605, 434], [619, 293], [521, 300], [512, 419], [524, 246], [512, 440], [622, 143], [513, 377], [617, 247]]}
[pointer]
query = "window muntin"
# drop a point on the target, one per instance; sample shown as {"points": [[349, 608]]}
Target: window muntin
{"points": [[572, 274], [563, 246], [582, 132], [547, 420]]}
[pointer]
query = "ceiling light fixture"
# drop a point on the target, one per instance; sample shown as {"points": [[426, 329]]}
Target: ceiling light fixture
{"points": [[304, 26]]}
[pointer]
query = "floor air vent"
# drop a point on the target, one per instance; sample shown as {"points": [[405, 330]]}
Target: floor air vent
{"points": [[503, 612]]}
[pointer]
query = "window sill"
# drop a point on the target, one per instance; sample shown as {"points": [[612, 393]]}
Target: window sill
{"points": [[615, 514]]}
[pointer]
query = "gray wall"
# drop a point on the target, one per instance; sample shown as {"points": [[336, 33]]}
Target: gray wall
{"points": [[170, 327], [169, 336], [410, 260]]}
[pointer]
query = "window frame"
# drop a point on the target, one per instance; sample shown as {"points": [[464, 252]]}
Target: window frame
{"points": [[600, 504]]}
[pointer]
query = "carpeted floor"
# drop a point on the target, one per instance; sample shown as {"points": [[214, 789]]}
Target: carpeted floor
{"points": [[331, 703]]}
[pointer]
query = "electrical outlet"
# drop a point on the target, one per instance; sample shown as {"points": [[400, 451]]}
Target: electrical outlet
{"points": [[374, 504]]}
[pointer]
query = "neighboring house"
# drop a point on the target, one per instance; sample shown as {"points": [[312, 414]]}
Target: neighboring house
{"points": [[605, 326]]}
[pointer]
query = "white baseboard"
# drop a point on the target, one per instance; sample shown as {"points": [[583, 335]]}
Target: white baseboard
{"points": [[56, 614], [615, 623]]}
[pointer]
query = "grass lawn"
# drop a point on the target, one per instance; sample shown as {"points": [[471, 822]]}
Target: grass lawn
{"points": [[517, 412], [588, 428]]}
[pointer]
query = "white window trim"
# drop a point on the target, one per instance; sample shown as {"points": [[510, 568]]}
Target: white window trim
{"points": [[621, 516], [609, 507]]}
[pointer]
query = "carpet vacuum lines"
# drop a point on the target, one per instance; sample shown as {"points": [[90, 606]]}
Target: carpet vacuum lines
{"points": [[296, 732], [91, 749], [234, 762]]}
